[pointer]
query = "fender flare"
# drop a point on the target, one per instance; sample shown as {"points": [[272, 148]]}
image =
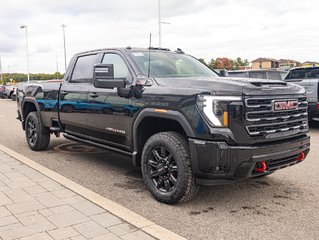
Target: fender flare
{"points": [[170, 115], [33, 101]]}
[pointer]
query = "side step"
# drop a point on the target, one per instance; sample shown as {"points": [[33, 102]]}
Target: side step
{"points": [[99, 145], [55, 129]]}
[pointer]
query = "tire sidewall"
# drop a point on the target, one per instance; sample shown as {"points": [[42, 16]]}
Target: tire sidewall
{"points": [[33, 116], [174, 195]]}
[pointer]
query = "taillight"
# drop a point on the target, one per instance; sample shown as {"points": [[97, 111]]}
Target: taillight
{"points": [[318, 106]]}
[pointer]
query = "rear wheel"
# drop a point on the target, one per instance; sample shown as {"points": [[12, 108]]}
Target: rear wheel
{"points": [[166, 168], [38, 136]]}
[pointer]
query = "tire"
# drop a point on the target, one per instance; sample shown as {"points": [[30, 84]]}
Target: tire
{"points": [[107, 111], [166, 168], [67, 108], [37, 136]]}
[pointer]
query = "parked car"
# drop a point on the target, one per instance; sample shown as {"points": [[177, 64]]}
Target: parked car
{"points": [[185, 126], [308, 77], [10, 91], [260, 73], [3, 91]]}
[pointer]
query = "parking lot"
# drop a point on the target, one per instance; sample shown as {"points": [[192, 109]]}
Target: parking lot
{"points": [[281, 206]]}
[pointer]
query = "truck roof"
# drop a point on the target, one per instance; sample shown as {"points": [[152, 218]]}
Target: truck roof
{"points": [[122, 49]]}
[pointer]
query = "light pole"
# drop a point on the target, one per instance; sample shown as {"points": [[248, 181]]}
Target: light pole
{"points": [[0, 71], [160, 24], [57, 67], [27, 49], [63, 27]]}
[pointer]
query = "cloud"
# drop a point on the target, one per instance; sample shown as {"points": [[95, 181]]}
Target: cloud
{"points": [[206, 28]]}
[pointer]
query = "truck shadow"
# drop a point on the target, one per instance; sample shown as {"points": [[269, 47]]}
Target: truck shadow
{"points": [[252, 196], [314, 125]]}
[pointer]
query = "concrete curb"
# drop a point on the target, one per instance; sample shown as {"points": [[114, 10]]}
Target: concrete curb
{"points": [[118, 210]]}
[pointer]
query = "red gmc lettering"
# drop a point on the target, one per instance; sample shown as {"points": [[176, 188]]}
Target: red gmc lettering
{"points": [[285, 105]]}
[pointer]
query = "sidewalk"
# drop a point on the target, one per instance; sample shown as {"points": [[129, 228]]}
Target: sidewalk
{"points": [[33, 206]]}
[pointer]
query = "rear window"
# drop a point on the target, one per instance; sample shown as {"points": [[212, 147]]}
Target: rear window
{"points": [[261, 75], [274, 75], [237, 74]]}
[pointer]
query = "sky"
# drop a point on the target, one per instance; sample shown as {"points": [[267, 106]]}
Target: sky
{"points": [[203, 28]]}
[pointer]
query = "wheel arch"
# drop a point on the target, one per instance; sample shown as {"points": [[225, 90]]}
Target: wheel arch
{"points": [[150, 122], [29, 105]]}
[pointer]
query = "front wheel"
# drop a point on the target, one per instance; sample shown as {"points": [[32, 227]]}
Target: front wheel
{"points": [[38, 136], [166, 168]]}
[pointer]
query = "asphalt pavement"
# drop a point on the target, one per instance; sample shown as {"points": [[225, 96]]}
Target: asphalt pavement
{"points": [[284, 205]]}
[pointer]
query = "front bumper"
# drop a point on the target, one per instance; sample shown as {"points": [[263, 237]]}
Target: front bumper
{"points": [[217, 163]]}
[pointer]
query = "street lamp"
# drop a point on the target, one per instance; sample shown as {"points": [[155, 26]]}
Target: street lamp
{"points": [[27, 50], [160, 24], [63, 27]]}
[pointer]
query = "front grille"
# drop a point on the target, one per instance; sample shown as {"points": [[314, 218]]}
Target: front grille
{"points": [[262, 120]]}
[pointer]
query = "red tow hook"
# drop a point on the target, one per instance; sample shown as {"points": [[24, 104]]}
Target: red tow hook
{"points": [[261, 167], [301, 156]]}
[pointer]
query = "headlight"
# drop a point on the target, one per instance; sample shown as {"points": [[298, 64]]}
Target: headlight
{"points": [[216, 108]]}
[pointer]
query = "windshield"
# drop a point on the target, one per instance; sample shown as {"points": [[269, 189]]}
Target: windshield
{"points": [[169, 64]]}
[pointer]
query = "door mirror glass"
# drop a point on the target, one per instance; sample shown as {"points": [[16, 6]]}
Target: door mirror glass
{"points": [[104, 77]]}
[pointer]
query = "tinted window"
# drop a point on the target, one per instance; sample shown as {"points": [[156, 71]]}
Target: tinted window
{"points": [[120, 68], [237, 74], [261, 75], [296, 74], [164, 64], [83, 70], [274, 75], [314, 73]]}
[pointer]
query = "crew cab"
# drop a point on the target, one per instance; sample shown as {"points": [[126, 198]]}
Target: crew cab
{"points": [[173, 116]]}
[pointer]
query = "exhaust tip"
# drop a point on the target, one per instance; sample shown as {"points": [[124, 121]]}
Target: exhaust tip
{"points": [[301, 156], [261, 167]]}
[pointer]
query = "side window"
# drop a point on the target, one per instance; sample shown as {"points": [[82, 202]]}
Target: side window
{"points": [[120, 69], [83, 70], [314, 73], [296, 74]]}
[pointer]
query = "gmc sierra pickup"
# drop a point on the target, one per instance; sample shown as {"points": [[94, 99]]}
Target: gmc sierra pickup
{"points": [[173, 116]]}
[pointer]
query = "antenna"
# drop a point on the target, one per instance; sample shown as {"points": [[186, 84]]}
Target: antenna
{"points": [[149, 57]]}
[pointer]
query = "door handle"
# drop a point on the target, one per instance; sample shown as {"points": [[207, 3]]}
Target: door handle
{"points": [[93, 95]]}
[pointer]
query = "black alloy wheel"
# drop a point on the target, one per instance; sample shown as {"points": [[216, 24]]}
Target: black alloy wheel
{"points": [[162, 169], [31, 132], [37, 136]]}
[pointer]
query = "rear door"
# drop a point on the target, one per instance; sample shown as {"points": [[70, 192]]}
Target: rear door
{"points": [[74, 95]]}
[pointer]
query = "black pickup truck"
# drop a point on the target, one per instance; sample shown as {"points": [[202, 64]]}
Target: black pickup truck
{"points": [[173, 116]]}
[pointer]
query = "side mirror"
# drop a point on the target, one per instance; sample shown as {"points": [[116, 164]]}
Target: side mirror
{"points": [[104, 77], [223, 73]]}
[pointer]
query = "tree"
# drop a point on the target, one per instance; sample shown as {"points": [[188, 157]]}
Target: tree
{"points": [[238, 63], [221, 63]]}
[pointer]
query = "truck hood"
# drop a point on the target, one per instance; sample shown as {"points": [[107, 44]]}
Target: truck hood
{"points": [[233, 86]]}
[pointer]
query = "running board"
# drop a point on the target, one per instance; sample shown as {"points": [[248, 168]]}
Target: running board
{"points": [[99, 145]]}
